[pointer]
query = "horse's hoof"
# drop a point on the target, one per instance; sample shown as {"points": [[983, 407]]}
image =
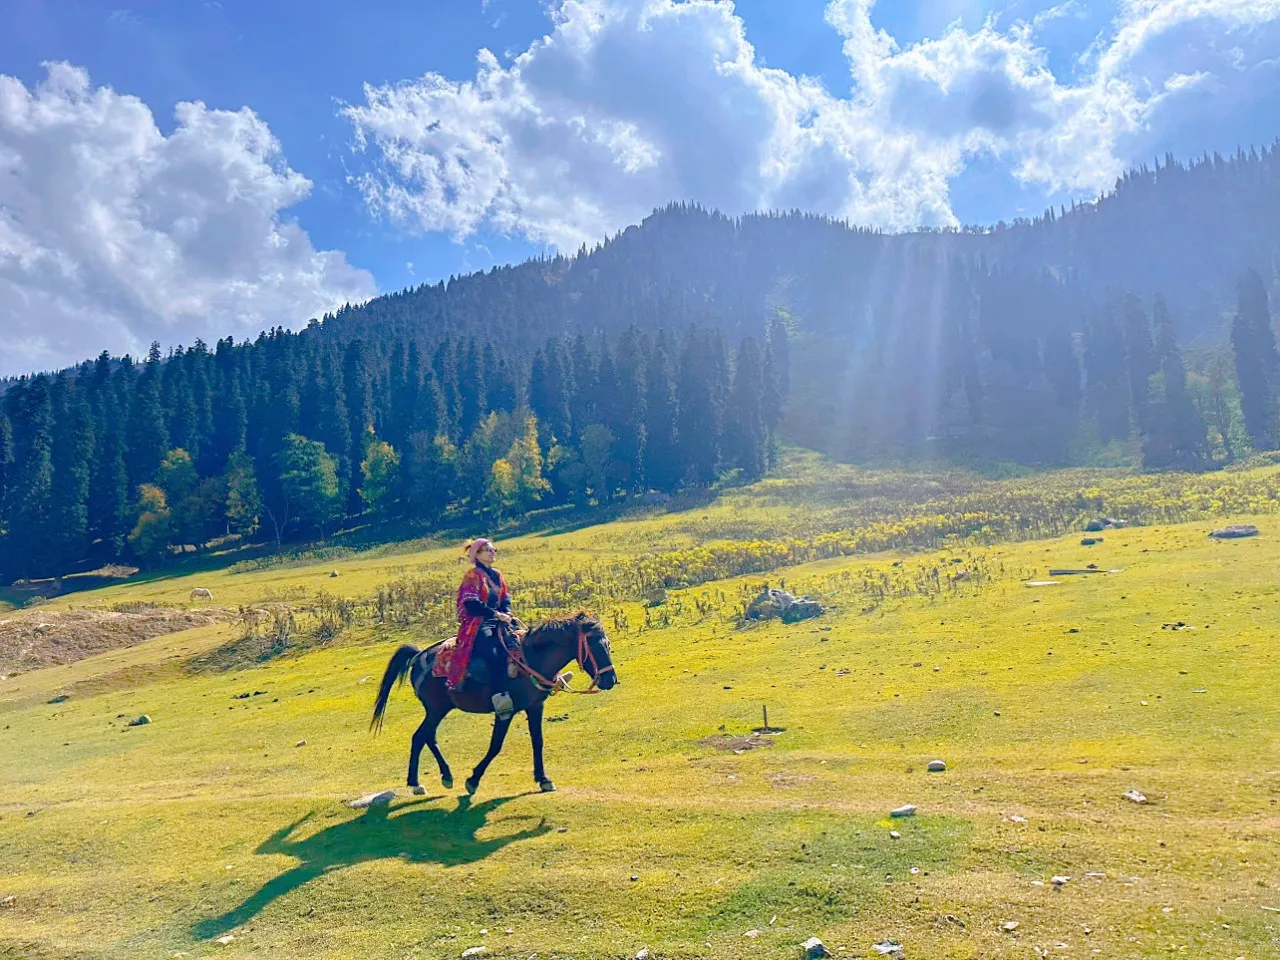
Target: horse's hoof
{"points": [[446, 782], [547, 786], [472, 786], [419, 790]]}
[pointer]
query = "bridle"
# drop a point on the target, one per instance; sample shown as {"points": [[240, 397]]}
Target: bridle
{"points": [[585, 657]]}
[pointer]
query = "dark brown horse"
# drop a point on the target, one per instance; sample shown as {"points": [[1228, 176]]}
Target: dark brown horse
{"points": [[548, 648]]}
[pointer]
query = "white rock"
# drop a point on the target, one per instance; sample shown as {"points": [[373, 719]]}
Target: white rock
{"points": [[225, 940], [1011, 926], [474, 951], [894, 835], [906, 810], [937, 766], [1135, 796], [889, 948], [1060, 882], [9, 901], [752, 934], [301, 743], [643, 954], [369, 799], [813, 949]]}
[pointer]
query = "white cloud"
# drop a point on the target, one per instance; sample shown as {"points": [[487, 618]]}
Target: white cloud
{"points": [[627, 104], [112, 234]]}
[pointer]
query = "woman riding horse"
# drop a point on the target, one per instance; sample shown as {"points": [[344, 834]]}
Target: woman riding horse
{"points": [[484, 624]]}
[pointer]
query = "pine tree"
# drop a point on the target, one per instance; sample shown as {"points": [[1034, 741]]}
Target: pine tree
{"points": [[431, 470], [357, 382], [1139, 355], [745, 433], [780, 351], [698, 423], [31, 534], [1175, 435], [547, 395], [1107, 389], [147, 436], [627, 420], [471, 388], [6, 465], [1257, 363], [662, 466], [71, 459]]}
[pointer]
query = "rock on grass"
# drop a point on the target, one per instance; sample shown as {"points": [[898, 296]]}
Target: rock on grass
{"points": [[371, 799]]}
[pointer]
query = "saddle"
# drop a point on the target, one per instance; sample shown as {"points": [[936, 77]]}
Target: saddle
{"points": [[439, 656]]}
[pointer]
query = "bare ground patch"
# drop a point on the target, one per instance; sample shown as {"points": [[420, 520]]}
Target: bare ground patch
{"points": [[739, 744], [36, 639]]}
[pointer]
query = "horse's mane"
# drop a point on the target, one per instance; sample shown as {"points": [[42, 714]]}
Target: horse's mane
{"points": [[549, 629]]}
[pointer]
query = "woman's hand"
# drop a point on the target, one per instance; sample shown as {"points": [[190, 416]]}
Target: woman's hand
{"points": [[504, 617]]}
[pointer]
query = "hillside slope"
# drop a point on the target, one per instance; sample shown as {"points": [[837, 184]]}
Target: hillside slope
{"points": [[1047, 703]]}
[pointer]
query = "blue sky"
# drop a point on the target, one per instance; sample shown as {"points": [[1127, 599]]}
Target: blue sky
{"points": [[337, 150]]}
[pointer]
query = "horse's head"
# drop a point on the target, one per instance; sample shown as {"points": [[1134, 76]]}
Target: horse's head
{"points": [[594, 653], [578, 637]]}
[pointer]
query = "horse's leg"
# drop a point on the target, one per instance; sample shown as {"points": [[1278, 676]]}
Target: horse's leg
{"points": [[500, 728], [535, 738], [426, 733], [432, 724]]}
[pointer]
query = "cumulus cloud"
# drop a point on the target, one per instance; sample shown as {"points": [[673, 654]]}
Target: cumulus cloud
{"points": [[113, 234], [627, 104]]}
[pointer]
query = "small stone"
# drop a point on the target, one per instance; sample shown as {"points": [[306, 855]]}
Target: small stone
{"points": [[889, 948], [997, 713], [813, 948], [1135, 796], [1060, 882], [369, 799], [364, 679], [752, 934], [937, 766], [1009, 927], [635, 877], [301, 743], [562, 829], [9, 901], [474, 951], [141, 721], [643, 954], [906, 810], [1017, 819], [894, 835], [223, 941]]}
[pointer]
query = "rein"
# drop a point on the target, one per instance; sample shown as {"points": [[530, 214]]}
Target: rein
{"points": [[551, 687]]}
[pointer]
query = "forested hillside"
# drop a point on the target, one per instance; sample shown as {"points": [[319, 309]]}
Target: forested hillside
{"points": [[684, 347]]}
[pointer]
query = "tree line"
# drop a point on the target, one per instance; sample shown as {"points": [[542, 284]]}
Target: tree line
{"points": [[293, 435]]}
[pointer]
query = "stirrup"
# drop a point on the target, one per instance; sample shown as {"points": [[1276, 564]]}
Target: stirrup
{"points": [[503, 705]]}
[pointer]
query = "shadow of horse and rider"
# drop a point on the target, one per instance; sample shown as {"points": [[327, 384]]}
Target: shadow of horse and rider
{"points": [[410, 832]]}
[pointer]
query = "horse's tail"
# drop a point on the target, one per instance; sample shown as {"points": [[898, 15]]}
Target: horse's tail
{"points": [[397, 669]]}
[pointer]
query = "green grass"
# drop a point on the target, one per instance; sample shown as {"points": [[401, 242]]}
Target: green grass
{"points": [[149, 841]]}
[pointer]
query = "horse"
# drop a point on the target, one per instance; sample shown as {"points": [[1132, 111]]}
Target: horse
{"points": [[201, 593], [547, 649]]}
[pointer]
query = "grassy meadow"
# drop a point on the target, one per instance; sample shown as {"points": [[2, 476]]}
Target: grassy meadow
{"points": [[673, 830]]}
